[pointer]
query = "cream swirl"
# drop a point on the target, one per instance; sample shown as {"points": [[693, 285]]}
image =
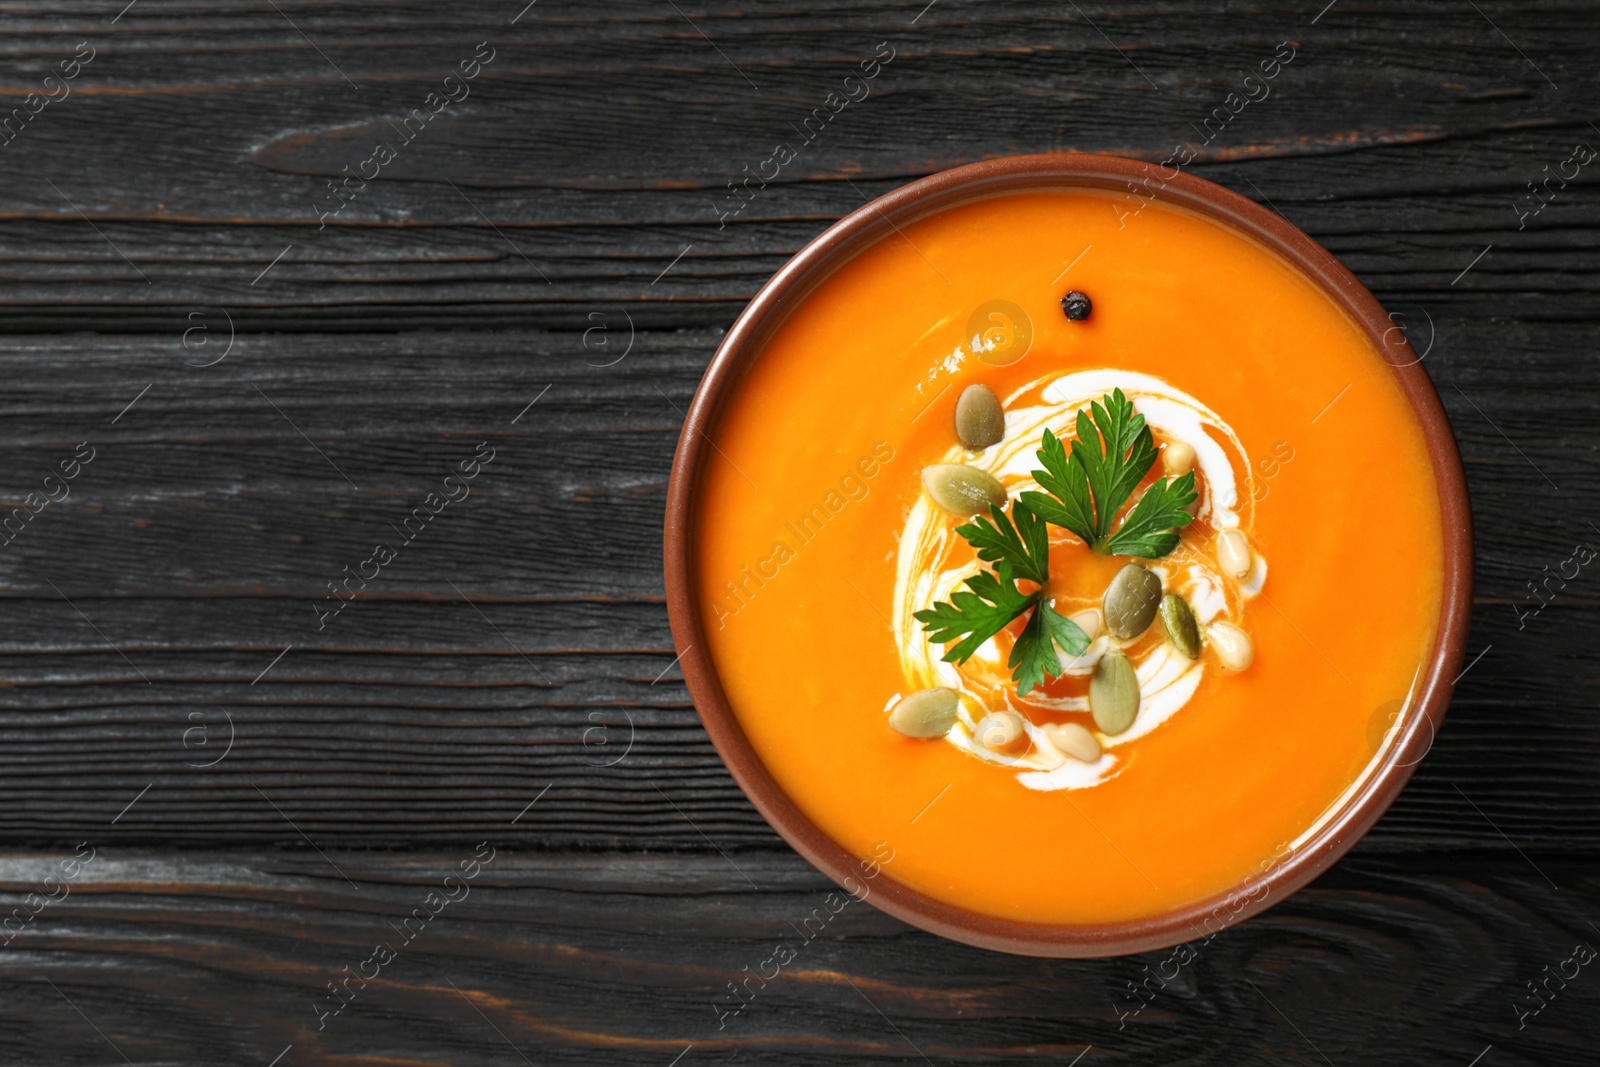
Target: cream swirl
{"points": [[929, 570]]}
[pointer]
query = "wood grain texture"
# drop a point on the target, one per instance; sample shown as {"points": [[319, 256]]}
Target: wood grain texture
{"points": [[224, 959], [565, 237], [599, 142], [520, 640]]}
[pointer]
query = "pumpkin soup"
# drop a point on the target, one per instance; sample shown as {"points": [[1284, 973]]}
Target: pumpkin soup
{"points": [[1070, 551]]}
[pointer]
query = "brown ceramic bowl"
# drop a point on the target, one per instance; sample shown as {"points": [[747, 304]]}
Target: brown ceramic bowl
{"points": [[873, 221]]}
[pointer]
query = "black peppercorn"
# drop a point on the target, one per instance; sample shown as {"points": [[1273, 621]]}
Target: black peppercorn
{"points": [[1076, 305]]}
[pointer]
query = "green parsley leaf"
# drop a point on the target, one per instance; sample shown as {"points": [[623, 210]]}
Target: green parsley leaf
{"points": [[1019, 546], [1110, 456], [1083, 489], [1148, 530], [1118, 462], [1023, 541], [1065, 501], [1033, 657], [992, 601]]}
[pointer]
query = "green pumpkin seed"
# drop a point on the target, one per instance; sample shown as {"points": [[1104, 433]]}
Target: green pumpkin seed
{"points": [[1178, 619], [1131, 601], [963, 490], [1114, 693], [926, 713], [980, 421]]}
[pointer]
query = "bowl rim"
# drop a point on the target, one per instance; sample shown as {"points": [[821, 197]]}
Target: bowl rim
{"points": [[877, 219]]}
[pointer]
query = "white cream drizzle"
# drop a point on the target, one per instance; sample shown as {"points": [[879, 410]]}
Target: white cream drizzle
{"points": [[1167, 680]]}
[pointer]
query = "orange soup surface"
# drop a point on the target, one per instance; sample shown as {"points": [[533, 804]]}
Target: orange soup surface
{"points": [[817, 477]]}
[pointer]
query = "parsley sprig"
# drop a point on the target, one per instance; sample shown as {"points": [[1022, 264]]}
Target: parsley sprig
{"points": [[1019, 547], [1084, 489]]}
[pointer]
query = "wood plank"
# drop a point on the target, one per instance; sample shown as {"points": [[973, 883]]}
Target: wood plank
{"points": [[225, 958], [199, 540], [511, 678], [1403, 138]]}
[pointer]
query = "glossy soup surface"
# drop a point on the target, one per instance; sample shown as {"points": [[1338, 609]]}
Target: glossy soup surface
{"points": [[854, 395]]}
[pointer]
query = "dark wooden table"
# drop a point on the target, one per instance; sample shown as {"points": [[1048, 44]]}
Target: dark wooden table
{"points": [[219, 796]]}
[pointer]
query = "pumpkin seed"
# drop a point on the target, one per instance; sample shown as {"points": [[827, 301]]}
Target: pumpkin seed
{"points": [[1114, 692], [1000, 730], [1131, 601], [1233, 552], [980, 421], [963, 490], [1178, 619], [1233, 645], [1177, 459], [1074, 740], [925, 713]]}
